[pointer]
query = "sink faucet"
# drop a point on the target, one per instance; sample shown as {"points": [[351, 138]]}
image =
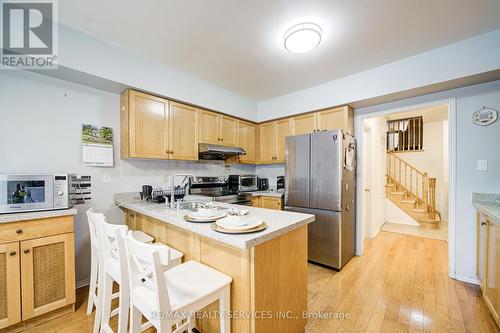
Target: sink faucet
{"points": [[172, 186]]}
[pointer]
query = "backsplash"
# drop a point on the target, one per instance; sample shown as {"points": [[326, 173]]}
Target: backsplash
{"points": [[271, 171]]}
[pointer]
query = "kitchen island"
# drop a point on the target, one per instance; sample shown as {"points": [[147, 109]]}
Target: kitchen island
{"points": [[269, 268]]}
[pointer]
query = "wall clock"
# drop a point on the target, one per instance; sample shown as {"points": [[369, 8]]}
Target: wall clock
{"points": [[484, 116]]}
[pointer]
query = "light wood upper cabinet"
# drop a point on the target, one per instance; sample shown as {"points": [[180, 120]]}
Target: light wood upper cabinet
{"points": [[209, 127], [492, 287], [144, 125], [336, 118], [272, 141], [305, 123], [267, 142], [283, 129], [228, 130], [10, 288], [217, 128], [153, 127], [183, 132], [246, 140]]}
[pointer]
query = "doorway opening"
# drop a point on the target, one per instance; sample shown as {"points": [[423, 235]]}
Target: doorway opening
{"points": [[405, 168]]}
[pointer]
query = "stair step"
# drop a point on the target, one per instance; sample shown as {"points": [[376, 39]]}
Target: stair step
{"points": [[409, 201], [419, 210], [397, 193], [390, 185]]}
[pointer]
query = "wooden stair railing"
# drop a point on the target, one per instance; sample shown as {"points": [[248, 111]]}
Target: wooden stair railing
{"points": [[415, 186], [404, 135]]}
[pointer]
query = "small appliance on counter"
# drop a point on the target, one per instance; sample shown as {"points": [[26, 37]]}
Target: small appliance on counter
{"points": [[263, 184], [21, 193], [280, 184], [243, 183]]}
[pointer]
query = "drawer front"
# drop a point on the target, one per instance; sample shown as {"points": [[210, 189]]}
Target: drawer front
{"points": [[24, 230]]}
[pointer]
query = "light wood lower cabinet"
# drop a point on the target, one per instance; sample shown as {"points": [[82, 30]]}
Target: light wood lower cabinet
{"points": [[267, 202], [37, 270], [10, 289], [488, 263]]}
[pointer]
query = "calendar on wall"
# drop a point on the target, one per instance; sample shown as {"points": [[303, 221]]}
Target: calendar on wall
{"points": [[97, 145]]}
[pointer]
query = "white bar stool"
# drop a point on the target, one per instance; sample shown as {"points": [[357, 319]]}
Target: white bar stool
{"points": [[114, 268], [166, 298], [94, 255]]}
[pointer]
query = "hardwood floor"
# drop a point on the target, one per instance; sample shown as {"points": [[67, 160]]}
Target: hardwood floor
{"points": [[399, 285], [440, 233]]}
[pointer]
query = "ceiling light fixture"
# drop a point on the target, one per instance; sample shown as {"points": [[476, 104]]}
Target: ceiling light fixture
{"points": [[302, 37]]}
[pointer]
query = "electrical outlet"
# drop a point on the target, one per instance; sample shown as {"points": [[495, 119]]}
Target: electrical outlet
{"points": [[482, 165], [106, 178]]}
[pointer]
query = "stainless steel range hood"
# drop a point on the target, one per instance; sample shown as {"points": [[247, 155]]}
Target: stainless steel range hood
{"points": [[208, 151]]}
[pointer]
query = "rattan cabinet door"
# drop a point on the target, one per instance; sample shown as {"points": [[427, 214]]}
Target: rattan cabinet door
{"points": [[10, 289], [48, 274]]}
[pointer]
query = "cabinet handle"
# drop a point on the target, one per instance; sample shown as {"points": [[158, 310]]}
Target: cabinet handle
{"points": [[13, 253], [26, 251], [19, 231]]}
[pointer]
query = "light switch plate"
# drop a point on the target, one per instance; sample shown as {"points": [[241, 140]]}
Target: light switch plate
{"points": [[106, 178], [482, 165]]}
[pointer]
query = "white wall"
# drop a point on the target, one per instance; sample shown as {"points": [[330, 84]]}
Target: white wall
{"points": [[271, 171], [40, 132], [469, 57], [84, 53], [394, 214], [473, 143]]}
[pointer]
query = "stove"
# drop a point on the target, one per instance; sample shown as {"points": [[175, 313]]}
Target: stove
{"points": [[218, 189]]}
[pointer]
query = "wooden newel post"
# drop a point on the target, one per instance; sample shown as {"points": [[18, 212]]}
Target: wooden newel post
{"points": [[432, 191], [425, 191]]}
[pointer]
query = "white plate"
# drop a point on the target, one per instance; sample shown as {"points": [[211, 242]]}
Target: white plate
{"points": [[204, 216], [227, 223]]}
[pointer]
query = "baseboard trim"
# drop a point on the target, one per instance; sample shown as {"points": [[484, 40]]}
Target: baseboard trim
{"points": [[467, 279], [82, 283]]}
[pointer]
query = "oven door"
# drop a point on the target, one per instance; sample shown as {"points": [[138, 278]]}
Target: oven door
{"points": [[26, 193]]}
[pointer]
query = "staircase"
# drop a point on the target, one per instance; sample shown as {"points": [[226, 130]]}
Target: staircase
{"points": [[412, 190]]}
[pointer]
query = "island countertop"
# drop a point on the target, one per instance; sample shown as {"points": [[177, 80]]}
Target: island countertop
{"points": [[278, 222]]}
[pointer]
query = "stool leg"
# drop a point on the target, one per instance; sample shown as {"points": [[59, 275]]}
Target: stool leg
{"points": [[224, 308], [123, 308], [98, 305], [107, 296], [93, 284], [135, 320]]}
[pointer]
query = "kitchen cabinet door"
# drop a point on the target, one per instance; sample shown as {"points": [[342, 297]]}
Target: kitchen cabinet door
{"points": [[10, 289], [209, 128], [183, 132], [48, 274], [492, 292], [337, 118], [246, 140], [282, 131], [304, 124], [255, 201], [482, 242], [267, 143], [148, 126], [271, 203], [228, 130]]}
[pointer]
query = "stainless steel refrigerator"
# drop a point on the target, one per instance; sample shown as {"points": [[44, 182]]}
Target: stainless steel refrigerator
{"points": [[320, 180]]}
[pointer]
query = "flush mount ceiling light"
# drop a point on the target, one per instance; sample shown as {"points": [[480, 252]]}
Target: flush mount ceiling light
{"points": [[302, 37]]}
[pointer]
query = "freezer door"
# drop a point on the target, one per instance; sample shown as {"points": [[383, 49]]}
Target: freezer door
{"points": [[326, 170], [324, 241], [297, 152]]}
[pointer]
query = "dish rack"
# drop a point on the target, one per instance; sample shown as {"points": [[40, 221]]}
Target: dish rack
{"points": [[161, 196]]}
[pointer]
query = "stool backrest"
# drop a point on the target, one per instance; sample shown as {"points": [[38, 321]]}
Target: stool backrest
{"points": [[145, 263], [92, 217]]}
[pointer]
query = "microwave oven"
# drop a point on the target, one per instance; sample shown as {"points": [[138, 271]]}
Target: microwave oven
{"points": [[22, 193], [243, 183]]}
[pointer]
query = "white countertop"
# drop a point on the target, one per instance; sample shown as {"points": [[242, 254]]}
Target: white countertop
{"points": [[278, 222], [14, 217], [270, 193], [488, 204]]}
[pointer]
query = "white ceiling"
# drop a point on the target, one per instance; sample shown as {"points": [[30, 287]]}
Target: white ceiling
{"points": [[238, 45]]}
